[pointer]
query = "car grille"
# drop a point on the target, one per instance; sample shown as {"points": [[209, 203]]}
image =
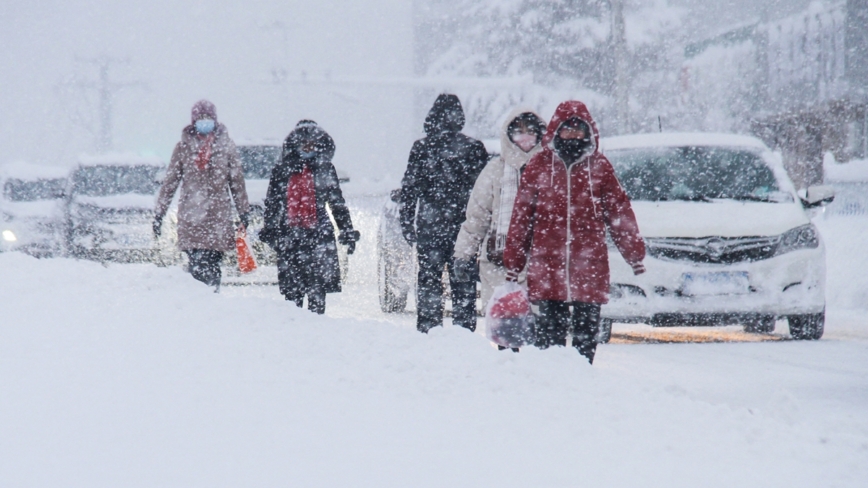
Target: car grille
{"points": [[110, 215], [713, 250]]}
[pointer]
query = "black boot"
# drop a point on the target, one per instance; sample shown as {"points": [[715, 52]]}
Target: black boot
{"points": [[587, 348], [299, 300], [586, 324], [316, 302], [552, 324]]}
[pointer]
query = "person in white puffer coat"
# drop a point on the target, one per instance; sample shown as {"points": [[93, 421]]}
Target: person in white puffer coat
{"points": [[486, 224]]}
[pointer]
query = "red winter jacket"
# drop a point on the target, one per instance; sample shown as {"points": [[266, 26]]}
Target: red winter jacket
{"points": [[559, 229]]}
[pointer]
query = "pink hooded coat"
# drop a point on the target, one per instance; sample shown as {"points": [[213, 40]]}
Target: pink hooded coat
{"points": [[205, 217]]}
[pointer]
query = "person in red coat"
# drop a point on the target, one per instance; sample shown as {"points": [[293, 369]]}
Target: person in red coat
{"points": [[568, 197]]}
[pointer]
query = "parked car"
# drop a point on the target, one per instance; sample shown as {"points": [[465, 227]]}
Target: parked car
{"points": [[31, 208], [396, 260], [729, 239], [258, 158], [110, 209], [850, 181]]}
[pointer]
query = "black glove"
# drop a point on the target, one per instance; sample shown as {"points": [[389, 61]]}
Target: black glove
{"points": [[245, 219], [349, 237], [409, 235], [158, 226], [266, 236], [464, 270]]}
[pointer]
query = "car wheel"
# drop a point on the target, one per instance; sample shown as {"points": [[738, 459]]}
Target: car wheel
{"points": [[807, 327], [392, 298], [605, 332], [763, 324]]}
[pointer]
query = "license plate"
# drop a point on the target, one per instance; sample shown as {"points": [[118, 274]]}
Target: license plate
{"points": [[716, 283]]}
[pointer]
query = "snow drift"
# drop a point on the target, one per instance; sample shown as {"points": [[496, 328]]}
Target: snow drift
{"points": [[135, 375]]}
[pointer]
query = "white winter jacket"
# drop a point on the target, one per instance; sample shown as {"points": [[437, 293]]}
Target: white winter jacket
{"points": [[484, 204], [483, 208]]}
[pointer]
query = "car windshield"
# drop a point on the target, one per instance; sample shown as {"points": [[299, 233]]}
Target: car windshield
{"points": [[695, 174], [17, 190], [257, 161], [100, 181]]}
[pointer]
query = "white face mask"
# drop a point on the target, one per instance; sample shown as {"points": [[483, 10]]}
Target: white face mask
{"points": [[205, 126], [525, 142]]}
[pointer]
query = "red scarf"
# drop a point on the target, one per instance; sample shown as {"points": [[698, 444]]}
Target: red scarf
{"points": [[301, 200], [204, 155]]}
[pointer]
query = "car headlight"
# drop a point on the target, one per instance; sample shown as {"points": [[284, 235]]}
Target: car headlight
{"points": [[9, 236], [804, 237]]}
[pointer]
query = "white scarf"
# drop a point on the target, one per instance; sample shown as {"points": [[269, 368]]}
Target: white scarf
{"points": [[513, 159], [508, 189]]}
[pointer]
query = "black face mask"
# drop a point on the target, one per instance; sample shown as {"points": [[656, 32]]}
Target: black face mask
{"points": [[571, 150]]}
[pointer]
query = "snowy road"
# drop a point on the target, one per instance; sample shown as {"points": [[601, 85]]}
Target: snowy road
{"points": [[139, 376]]}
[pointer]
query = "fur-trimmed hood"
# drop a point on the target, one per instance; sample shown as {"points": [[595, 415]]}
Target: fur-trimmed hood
{"points": [[509, 152]]}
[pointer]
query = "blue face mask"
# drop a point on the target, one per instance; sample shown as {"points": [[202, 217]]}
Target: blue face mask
{"points": [[205, 126], [306, 154]]}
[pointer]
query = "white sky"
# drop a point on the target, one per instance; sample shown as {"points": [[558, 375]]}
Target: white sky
{"points": [[186, 50], [224, 51]]}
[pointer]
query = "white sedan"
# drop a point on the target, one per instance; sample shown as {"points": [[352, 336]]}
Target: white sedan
{"points": [[729, 239], [31, 208]]}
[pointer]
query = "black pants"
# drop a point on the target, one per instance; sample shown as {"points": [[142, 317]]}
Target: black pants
{"points": [[429, 289], [205, 265], [553, 327], [299, 274]]}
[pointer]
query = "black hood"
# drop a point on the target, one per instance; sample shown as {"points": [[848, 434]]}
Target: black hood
{"points": [[446, 115], [307, 130]]}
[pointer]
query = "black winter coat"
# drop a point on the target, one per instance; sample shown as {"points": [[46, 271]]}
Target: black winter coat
{"points": [[276, 231], [440, 175]]}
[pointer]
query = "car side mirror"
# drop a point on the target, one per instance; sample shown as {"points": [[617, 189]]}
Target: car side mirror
{"points": [[395, 195], [815, 196]]}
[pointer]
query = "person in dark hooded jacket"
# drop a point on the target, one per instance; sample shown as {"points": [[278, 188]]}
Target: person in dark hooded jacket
{"points": [[440, 175], [297, 225]]}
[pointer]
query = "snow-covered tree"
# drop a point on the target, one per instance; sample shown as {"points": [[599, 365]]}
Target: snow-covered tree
{"points": [[564, 48]]}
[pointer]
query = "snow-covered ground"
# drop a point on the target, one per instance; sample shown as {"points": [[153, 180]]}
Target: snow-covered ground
{"points": [[133, 375]]}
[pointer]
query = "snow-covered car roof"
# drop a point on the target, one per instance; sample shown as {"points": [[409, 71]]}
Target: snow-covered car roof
{"points": [[854, 171], [681, 139], [119, 159], [342, 175], [32, 171], [259, 142]]}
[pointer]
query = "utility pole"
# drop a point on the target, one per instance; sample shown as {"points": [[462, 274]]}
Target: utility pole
{"points": [[622, 91], [106, 90]]}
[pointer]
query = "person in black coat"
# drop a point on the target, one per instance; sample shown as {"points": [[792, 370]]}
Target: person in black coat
{"points": [[440, 175], [297, 225]]}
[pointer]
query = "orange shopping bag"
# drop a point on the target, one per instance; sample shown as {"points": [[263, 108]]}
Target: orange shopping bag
{"points": [[246, 262]]}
